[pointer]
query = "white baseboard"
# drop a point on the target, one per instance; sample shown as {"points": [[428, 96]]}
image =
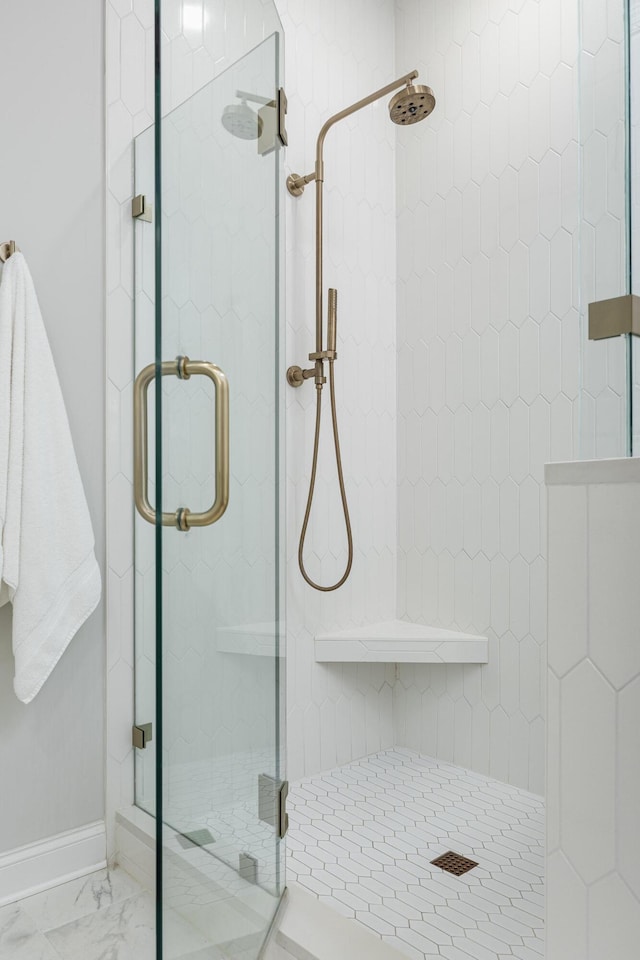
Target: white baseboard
{"points": [[49, 862]]}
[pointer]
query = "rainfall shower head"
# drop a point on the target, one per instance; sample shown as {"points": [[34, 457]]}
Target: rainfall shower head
{"points": [[412, 104], [241, 121]]}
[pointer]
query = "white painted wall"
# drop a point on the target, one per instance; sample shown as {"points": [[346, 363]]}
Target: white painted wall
{"points": [[52, 204], [593, 732]]}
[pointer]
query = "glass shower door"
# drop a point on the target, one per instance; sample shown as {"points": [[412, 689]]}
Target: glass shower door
{"points": [[208, 585], [603, 253]]}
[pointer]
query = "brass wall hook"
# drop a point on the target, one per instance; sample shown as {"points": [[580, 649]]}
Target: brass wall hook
{"points": [[7, 249]]}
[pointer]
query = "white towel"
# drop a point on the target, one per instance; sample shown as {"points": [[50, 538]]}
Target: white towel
{"points": [[48, 568]]}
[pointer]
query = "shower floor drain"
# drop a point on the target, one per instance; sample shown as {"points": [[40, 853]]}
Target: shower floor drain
{"points": [[454, 863]]}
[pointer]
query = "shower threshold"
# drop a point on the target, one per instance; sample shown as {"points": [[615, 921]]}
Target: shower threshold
{"points": [[362, 839]]}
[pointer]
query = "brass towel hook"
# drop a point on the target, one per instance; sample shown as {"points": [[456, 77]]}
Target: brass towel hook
{"points": [[7, 249]]}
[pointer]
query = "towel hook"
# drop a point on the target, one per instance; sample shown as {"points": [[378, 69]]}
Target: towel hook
{"points": [[7, 249]]}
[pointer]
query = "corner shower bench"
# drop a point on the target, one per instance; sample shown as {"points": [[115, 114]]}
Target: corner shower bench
{"points": [[398, 641]]}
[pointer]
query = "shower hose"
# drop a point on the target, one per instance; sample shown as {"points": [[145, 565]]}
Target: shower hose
{"points": [[312, 485]]}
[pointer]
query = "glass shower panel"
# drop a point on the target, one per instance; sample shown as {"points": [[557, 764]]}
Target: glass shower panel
{"points": [[634, 121], [604, 248], [220, 699], [144, 533]]}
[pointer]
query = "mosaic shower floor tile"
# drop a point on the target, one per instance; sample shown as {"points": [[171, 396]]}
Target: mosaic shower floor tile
{"points": [[362, 838]]}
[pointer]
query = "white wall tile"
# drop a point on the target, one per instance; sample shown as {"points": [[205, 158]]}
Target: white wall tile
{"points": [[566, 914], [614, 600], [509, 342], [567, 582], [628, 785], [528, 118], [614, 920], [587, 803], [593, 767], [362, 267]]}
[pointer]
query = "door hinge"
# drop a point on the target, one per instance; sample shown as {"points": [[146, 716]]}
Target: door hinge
{"points": [[248, 867], [283, 816], [272, 803], [614, 317], [273, 132], [141, 735], [140, 209], [282, 114]]}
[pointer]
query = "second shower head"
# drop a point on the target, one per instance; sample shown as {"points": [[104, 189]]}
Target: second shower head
{"points": [[412, 104], [241, 121]]}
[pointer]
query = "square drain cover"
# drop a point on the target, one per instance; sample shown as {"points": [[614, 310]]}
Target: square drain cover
{"points": [[454, 863]]}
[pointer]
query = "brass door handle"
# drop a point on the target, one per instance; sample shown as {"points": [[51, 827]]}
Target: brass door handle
{"points": [[183, 368]]}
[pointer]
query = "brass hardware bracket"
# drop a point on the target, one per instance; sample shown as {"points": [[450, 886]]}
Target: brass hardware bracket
{"points": [[272, 115], [140, 209], [141, 735], [7, 249], [296, 376], [283, 106], [324, 355], [614, 317], [296, 183], [248, 867], [272, 803], [283, 818]]}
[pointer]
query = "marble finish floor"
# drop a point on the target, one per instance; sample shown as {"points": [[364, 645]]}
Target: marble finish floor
{"points": [[362, 838], [105, 916]]}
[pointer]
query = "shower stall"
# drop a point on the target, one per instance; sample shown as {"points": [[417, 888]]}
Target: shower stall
{"points": [[410, 718]]}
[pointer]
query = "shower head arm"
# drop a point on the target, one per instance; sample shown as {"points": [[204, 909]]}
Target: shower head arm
{"points": [[390, 87], [319, 178], [296, 183]]}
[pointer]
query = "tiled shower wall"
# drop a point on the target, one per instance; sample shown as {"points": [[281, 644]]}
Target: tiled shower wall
{"points": [[488, 345], [334, 55], [593, 844], [497, 258]]}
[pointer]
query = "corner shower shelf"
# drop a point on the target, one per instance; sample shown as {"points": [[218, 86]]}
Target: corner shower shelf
{"points": [[397, 641]]}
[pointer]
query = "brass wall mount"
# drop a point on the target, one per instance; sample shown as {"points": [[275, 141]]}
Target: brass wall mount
{"points": [[296, 183], [183, 368], [267, 126], [614, 317], [141, 735], [141, 209], [7, 249], [272, 803]]}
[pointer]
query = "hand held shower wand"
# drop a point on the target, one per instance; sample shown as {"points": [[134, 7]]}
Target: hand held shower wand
{"points": [[410, 105]]}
